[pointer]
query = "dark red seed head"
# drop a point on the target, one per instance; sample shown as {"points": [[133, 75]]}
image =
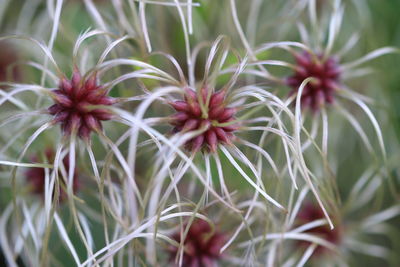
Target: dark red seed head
{"points": [[311, 212], [202, 245], [36, 176], [74, 100], [326, 74], [215, 117], [9, 70]]}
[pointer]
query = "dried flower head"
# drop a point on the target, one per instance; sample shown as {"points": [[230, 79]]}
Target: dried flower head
{"points": [[36, 176], [74, 101], [201, 246], [311, 212], [208, 110], [321, 89]]}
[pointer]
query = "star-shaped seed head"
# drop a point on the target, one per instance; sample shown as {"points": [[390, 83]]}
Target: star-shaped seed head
{"points": [[74, 105], [206, 111], [326, 74]]}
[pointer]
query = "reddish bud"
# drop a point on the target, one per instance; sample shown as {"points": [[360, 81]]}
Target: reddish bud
{"points": [[222, 135], [190, 124], [198, 142], [91, 83], [180, 105], [212, 140], [65, 85], [217, 98], [179, 117], [215, 112], [231, 128], [63, 100], [76, 78], [227, 114]]}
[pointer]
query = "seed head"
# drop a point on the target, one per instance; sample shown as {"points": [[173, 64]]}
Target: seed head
{"points": [[201, 246], [311, 212], [215, 116], [326, 74], [8, 57], [36, 176], [74, 100]]}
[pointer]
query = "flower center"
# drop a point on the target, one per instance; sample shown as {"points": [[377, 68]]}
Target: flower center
{"points": [[208, 114], [74, 105], [321, 89]]}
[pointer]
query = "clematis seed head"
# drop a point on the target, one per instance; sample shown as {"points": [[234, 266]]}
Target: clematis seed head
{"points": [[326, 74], [311, 212], [9, 70], [202, 245], [215, 117], [74, 100], [36, 176]]}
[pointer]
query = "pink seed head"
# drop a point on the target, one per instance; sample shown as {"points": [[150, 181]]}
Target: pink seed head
{"points": [[202, 245], [311, 212], [74, 99], [326, 74], [36, 176], [216, 117]]}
